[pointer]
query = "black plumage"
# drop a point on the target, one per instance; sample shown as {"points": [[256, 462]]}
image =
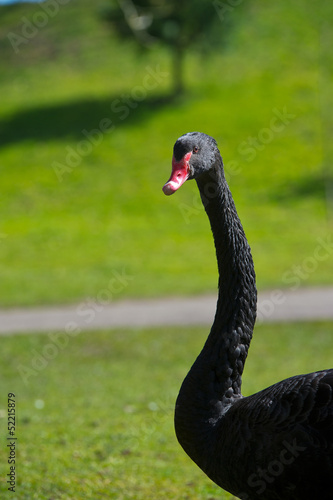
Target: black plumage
{"points": [[276, 444]]}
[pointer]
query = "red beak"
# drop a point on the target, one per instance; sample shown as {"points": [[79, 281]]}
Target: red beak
{"points": [[180, 173]]}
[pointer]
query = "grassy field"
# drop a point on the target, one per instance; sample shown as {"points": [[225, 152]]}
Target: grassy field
{"points": [[86, 147], [95, 414], [87, 126]]}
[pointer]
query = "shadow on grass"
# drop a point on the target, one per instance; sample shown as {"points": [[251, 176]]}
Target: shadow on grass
{"points": [[70, 119], [311, 186]]}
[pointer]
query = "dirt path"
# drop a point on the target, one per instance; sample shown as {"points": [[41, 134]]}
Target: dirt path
{"points": [[273, 306]]}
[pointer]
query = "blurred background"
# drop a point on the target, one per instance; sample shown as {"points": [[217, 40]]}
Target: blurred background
{"points": [[93, 97]]}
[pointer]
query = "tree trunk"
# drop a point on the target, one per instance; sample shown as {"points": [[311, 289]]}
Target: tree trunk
{"points": [[178, 67]]}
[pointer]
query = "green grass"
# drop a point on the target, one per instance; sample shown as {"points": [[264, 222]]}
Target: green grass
{"points": [[104, 428], [63, 241]]}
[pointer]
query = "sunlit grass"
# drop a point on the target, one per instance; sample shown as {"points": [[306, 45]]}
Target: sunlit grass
{"points": [[95, 411], [61, 241]]}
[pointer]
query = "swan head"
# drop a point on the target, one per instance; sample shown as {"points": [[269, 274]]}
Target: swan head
{"points": [[194, 154]]}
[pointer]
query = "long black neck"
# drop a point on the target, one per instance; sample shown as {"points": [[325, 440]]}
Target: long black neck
{"points": [[214, 380], [237, 300]]}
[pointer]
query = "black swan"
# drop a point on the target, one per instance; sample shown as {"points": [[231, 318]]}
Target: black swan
{"points": [[276, 444]]}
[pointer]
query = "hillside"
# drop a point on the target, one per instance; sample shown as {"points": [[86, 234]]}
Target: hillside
{"points": [[34, 33], [86, 146]]}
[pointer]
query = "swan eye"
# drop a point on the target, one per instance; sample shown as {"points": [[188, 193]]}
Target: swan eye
{"points": [[195, 149]]}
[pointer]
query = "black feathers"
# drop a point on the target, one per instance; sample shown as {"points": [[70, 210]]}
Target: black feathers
{"points": [[276, 444]]}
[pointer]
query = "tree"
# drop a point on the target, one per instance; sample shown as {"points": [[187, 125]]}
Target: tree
{"points": [[179, 24]]}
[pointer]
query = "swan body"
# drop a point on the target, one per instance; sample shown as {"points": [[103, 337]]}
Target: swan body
{"points": [[276, 444]]}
